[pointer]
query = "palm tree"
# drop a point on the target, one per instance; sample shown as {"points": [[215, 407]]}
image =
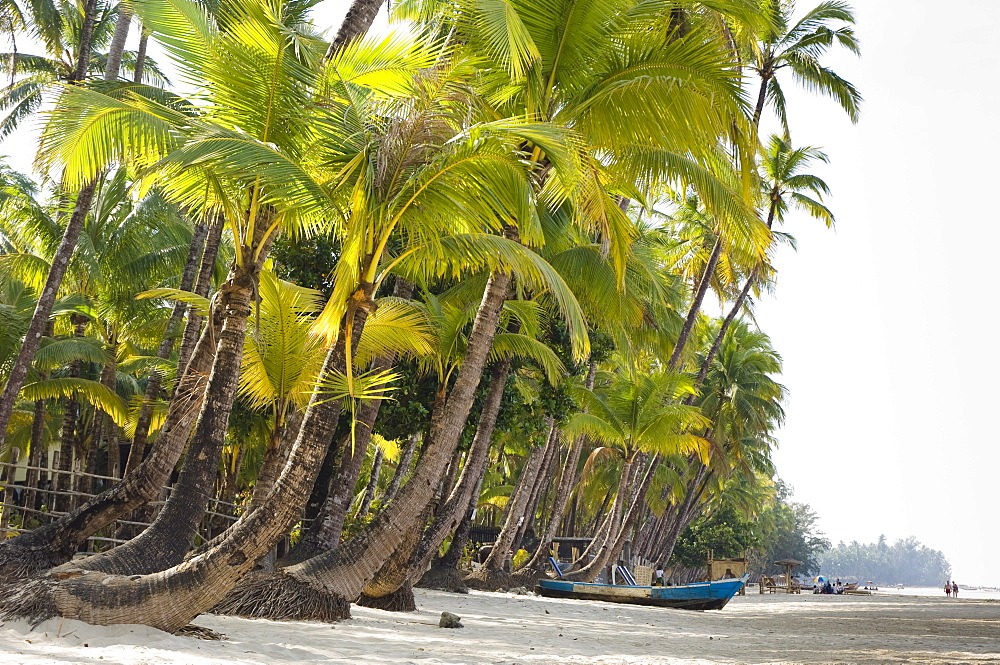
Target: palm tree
{"points": [[637, 414], [785, 185], [242, 160], [799, 47], [743, 401], [85, 34]]}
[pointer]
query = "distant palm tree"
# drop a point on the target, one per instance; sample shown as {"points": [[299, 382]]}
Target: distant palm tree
{"points": [[798, 47]]}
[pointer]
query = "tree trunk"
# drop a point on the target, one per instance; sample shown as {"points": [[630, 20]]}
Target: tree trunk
{"points": [[202, 286], [518, 502], [117, 45], [275, 457], [706, 365], [168, 539], [369, 495], [567, 481], [137, 449], [617, 534], [57, 269], [40, 318], [54, 543], [336, 577], [325, 529], [696, 301], [170, 599], [408, 563], [358, 20], [140, 56], [402, 468], [542, 481], [86, 38], [70, 453], [38, 458]]}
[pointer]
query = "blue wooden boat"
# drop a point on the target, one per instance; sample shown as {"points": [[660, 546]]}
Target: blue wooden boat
{"points": [[700, 596]]}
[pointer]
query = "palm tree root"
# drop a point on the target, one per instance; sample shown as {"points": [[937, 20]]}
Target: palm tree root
{"points": [[443, 578], [400, 600], [527, 577], [18, 562], [281, 597], [31, 600], [489, 579]]}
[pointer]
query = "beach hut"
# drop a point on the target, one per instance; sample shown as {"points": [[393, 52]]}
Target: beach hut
{"points": [[789, 564]]}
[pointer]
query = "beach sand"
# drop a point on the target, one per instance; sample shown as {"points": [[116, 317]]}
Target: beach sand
{"points": [[506, 628]]}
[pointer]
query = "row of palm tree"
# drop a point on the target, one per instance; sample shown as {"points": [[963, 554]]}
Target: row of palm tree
{"points": [[289, 284]]}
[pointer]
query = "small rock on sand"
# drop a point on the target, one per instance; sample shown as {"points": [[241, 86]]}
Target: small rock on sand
{"points": [[449, 620]]}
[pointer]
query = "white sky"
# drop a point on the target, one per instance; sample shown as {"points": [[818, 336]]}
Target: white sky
{"points": [[891, 428]]}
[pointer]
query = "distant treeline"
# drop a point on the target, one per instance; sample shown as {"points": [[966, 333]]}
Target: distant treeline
{"points": [[904, 562]]}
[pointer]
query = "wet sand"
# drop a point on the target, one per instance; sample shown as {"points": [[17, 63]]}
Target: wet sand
{"points": [[504, 628]]}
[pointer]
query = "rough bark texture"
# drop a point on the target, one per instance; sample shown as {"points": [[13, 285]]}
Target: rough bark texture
{"points": [[359, 18], [345, 571], [202, 285], [166, 541], [86, 39], [277, 454], [170, 599], [54, 543], [543, 479], [324, 531], [117, 45], [140, 56], [518, 502], [409, 561]]}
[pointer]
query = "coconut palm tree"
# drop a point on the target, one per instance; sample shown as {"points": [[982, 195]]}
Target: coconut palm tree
{"points": [[785, 186], [242, 158], [84, 23], [799, 46]]}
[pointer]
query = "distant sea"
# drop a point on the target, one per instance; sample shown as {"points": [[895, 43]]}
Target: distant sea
{"points": [[939, 591]]}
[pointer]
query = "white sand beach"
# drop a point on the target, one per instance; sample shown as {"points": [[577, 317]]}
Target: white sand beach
{"points": [[508, 629]]}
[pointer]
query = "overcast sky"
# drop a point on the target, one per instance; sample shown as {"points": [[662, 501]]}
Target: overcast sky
{"points": [[887, 323]]}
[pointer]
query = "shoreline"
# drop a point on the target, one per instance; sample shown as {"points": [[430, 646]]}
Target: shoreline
{"points": [[506, 629]]}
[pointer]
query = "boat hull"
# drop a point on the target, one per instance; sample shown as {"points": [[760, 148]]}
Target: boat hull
{"points": [[702, 596]]}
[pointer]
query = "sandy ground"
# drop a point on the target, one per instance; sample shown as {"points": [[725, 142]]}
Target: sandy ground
{"points": [[527, 630]]}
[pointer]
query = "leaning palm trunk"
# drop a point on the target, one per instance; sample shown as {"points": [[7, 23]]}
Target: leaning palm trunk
{"points": [[54, 543], [359, 18], [202, 286], [567, 481], [408, 563], [194, 258], [323, 587], [324, 530], [518, 502], [170, 599], [696, 301], [543, 481], [168, 539], [616, 542]]}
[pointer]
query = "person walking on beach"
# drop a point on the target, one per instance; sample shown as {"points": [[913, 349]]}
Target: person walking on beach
{"points": [[954, 588], [947, 588]]}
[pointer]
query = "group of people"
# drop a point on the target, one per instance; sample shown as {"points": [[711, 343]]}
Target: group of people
{"points": [[951, 588], [829, 587]]}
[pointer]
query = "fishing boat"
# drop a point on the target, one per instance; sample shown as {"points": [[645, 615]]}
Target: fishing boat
{"points": [[699, 596]]}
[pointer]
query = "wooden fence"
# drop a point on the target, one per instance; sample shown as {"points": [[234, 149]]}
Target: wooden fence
{"points": [[16, 516]]}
